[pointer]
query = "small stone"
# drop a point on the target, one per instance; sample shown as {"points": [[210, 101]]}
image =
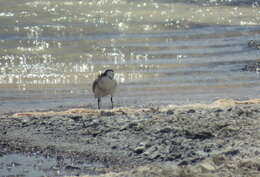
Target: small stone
{"points": [[149, 151], [165, 130], [207, 149], [132, 125], [191, 111], [114, 147], [139, 149], [232, 152], [218, 110], [200, 135], [155, 155], [229, 109], [183, 163], [207, 167], [107, 113], [70, 167], [75, 117], [169, 112], [177, 156], [124, 127]]}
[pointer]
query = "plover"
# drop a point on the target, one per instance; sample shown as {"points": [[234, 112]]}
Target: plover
{"points": [[104, 85]]}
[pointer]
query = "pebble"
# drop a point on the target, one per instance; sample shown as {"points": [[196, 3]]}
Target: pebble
{"points": [[139, 149], [207, 167]]}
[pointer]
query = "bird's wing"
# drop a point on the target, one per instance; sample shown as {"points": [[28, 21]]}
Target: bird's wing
{"points": [[94, 85]]}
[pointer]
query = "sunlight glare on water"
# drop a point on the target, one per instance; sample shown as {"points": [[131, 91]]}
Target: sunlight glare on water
{"points": [[163, 52]]}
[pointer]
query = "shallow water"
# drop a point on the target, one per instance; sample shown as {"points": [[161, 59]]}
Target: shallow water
{"points": [[162, 52]]}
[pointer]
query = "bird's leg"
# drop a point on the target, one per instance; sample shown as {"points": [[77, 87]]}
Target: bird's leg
{"points": [[99, 100], [112, 103]]}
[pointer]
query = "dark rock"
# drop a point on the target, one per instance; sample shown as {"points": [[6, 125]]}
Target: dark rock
{"points": [[134, 126], [24, 124], [232, 152], [207, 149], [76, 118], [203, 135], [139, 149], [107, 113], [191, 111], [183, 163], [43, 123], [195, 160], [165, 130], [177, 156], [170, 112], [191, 153], [70, 167], [229, 109], [124, 127], [114, 147], [200, 135], [218, 110]]}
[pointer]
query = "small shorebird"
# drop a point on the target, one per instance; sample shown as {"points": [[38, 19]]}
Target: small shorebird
{"points": [[104, 85]]}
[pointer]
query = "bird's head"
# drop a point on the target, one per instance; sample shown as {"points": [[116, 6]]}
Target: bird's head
{"points": [[109, 73]]}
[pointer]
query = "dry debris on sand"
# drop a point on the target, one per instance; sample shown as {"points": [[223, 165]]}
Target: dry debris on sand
{"points": [[218, 139]]}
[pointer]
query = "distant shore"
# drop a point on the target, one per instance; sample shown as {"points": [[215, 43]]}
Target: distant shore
{"points": [[218, 139]]}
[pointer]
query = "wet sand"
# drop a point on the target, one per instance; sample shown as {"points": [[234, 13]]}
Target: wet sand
{"points": [[217, 139]]}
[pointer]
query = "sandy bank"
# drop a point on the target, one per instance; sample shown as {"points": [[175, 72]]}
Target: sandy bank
{"points": [[221, 103], [217, 139]]}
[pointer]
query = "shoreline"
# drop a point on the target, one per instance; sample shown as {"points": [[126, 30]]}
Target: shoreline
{"points": [[219, 103], [200, 138]]}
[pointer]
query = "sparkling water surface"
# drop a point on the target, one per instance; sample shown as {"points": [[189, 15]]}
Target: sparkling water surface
{"points": [[163, 52]]}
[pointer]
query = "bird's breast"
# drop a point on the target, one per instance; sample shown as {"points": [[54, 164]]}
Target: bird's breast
{"points": [[107, 84]]}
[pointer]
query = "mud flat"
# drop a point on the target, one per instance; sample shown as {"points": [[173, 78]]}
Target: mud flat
{"points": [[218, 139]]}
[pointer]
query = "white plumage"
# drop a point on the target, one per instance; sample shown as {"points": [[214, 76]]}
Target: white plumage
{"points": [[104, 85]]}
